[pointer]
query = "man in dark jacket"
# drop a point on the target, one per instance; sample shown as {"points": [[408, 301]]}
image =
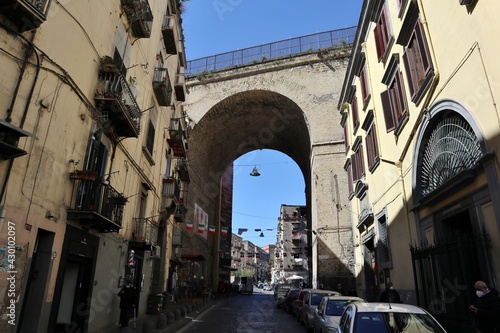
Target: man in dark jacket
{"points": [[127, 304], [487, 308], [390, 295]]}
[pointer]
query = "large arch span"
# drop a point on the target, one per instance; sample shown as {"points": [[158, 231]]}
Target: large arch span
{"points": [[289, 107]]}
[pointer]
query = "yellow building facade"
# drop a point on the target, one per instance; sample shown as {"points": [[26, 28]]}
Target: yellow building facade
{"points": [[422, 125], [92, 145]]}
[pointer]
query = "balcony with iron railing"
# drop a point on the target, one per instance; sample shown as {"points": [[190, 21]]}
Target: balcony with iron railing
{"points": [[116, 104], [145, 230], [180, 87], [176, 139], [180, 213], [25, 14], [97, 204], [182, 170], [162, 87], [169, 32], [139, 16], [171, 192]]}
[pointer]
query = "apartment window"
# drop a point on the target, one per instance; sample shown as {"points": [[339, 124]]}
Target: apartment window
{"points": [[372, 150], [417, 61], [148, 147], [350, 181], [365, 89], [358, 165], [384, 247], [383, 36], [345, 126], [394, 103], [150, 140], [354, 113]]}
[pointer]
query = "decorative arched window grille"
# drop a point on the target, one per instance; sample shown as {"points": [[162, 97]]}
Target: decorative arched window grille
{"points": [[452, 148]]}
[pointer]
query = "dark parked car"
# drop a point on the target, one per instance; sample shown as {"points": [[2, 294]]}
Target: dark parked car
{"points": [[290, 297], [280, 292]]}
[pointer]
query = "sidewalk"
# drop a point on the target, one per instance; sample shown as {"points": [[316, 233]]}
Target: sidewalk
{"points": [[170, 320]]}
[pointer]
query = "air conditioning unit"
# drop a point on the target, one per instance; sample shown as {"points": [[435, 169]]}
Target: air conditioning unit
{"points": [[466, 2], [155, 252]]}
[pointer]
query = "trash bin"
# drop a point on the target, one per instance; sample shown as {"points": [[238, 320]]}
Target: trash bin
{"points": [[155, 303]]}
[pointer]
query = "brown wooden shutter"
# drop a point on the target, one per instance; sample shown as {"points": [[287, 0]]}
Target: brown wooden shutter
{"points": [[386, 106]]}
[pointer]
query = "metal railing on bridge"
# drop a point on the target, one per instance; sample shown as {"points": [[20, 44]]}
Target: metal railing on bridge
{"points": [[266, 52]]}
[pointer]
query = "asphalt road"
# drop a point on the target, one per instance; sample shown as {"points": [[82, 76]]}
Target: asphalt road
{"points": [[255, 313]]}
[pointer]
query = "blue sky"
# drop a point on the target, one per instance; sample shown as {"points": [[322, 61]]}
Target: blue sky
{"points": [[217, 26]]}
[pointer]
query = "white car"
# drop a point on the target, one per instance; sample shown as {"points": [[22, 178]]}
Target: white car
{"points": [[387, 318], [327, 314]]}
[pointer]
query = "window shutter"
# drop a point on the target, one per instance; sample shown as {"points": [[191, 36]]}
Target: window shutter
{"points": [[409, 72], [379, 41], [386, 106], [422, 45]]}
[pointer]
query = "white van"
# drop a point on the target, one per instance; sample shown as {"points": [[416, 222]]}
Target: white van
{"points": [[245, 285]]}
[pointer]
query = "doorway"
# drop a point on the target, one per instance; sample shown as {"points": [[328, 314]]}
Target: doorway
{"points": [[41, 265], [74, 302]]}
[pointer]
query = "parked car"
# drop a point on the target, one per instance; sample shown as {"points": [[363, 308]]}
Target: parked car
{"points": [[327, 315], [245, 285], [387, 318], [279, 293], [310, 302], [290, 297], [297, 304]]}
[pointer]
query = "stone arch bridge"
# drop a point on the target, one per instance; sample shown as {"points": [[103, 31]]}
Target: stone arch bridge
{"points": [[289, 104]]}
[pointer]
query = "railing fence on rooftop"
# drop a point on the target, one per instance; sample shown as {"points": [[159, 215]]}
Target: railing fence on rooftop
{"points": [[274, 50]]}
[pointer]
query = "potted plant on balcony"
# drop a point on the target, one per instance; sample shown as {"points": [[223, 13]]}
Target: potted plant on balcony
{"points": [[109, 65]]}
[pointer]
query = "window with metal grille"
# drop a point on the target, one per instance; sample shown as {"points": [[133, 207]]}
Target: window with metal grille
{"points": [[452, 148], [383, 245]]}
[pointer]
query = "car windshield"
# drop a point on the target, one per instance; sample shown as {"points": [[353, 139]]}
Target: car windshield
{"points": [[390, 322], [336, 307], [316, 298]]}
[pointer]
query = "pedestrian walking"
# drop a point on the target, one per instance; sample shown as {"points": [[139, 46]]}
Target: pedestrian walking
{"points": [[127, 304], [487, 308], [390, 295]]}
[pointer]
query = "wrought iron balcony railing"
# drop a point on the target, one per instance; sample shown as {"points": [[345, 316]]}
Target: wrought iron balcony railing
{"points": [[97, 205], [180, 87], [176, 139], [180, 213], [169, 32], [140, 17], [162, 87], [117, 106], [25, 14], [145, 230]]}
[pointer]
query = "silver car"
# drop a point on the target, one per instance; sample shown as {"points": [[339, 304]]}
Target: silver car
{"points": [[387, 318], [312, 297], [327, 314]]}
